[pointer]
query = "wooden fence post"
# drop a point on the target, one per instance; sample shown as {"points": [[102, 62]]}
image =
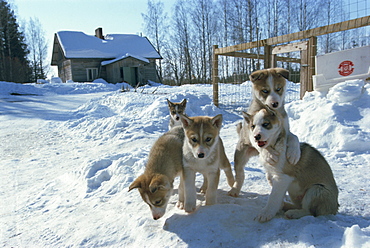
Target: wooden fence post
{"points": [[308, 66], [215, 78], [267, 56]]}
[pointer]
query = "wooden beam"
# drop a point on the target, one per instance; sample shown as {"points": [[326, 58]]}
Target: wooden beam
{"points": [[260, 56], [337, 27], [292, 47], [215, 77]]}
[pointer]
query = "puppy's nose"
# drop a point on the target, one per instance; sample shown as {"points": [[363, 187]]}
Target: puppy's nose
{"points": [[275, 104], [257, 137], [156, 217], [200, 155], [177, 118]]}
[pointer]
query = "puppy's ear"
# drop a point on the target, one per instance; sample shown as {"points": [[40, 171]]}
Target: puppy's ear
{"points": [[282, 72], [183, 102], [217, 121], [137, 184], [247, 117], [169, 103], [257, 75], [185, 121], [158, 183]]}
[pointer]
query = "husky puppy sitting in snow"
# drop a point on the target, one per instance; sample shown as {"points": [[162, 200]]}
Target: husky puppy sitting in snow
{"points": [[310, 182], [203, 151], [268, 89], [164, 164], [176, 109]]}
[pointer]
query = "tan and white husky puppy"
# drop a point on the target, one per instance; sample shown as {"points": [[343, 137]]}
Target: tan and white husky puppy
{"points": [[268, 89], [176, 109], [164, 164], [203, 151], [310, 182]]}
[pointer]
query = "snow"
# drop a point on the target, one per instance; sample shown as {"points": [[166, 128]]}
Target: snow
{"points": [[127, 55], [70, 150], [77, 44]]}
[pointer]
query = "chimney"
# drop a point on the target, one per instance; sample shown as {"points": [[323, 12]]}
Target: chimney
{"points": [[99, 33]]}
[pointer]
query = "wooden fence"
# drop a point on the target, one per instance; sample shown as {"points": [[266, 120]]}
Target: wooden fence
{"points": [[273, 46]]}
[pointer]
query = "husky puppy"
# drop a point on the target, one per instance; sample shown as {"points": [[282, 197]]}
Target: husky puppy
{"points": [[268, 89], [203, 151], [310, 183], [164, 164], [176, 109]]}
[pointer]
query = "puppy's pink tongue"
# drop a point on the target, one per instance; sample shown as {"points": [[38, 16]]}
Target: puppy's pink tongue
{"points": [[261, 143]]}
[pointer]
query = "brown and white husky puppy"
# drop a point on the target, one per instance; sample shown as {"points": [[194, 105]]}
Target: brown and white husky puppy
{"points": [[176, 109], [268, 89], [203, 151], [164, 164], [310, 182]]}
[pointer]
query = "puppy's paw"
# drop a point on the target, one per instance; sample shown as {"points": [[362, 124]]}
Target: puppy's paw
{"points": [[270, 155], [233, 192], [296, 213], [189, 207], [265, 215], [293, 154], [180, 205], [203, 189]]}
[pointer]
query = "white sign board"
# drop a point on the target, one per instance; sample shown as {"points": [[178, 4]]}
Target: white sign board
{"points": [[336, 67]]}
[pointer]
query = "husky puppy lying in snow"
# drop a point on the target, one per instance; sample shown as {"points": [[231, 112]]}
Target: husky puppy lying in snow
{"points": [[310, 182]]}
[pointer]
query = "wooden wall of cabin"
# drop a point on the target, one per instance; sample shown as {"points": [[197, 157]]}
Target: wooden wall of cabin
{"points": [[145, 71], [79, 69]]}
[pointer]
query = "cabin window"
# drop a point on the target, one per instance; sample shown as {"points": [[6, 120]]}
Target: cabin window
{"points": [[92, 74]]}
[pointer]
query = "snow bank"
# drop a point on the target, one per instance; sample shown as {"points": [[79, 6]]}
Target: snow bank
{"points": [[341, 119]]}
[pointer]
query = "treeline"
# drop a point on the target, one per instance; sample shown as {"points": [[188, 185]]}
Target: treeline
{"points": [[23, 50], [185, 38]]}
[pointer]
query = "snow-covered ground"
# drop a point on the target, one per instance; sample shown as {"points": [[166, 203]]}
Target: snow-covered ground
{"points": [[70, 151]]}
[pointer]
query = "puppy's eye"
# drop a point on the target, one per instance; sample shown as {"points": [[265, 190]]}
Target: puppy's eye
{"points": [[265, 91], [208, 139], [173, 112], [266, 124], [278, 89], [194, 140], [158, 202], [253, 126]]}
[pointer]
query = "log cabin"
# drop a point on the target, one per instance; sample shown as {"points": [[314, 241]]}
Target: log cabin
{"points": [[114, 57]]}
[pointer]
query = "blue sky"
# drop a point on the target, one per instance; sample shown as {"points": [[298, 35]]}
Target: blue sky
{"points": [[114, 16]]}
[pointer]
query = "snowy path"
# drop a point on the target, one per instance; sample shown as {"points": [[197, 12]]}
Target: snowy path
{"points": [[28, 144]]}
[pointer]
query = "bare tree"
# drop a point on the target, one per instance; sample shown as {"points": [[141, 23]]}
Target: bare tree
{"points": [[37, 46], [156, 26]]}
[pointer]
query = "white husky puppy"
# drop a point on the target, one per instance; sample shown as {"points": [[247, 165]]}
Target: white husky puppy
{"points": [[310, 183], [269, 87], [203, 151]]}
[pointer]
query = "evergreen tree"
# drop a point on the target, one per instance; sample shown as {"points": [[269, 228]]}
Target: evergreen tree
{"points": [[14, 66]]}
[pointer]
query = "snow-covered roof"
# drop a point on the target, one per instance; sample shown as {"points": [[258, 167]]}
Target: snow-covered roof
{"points": [[127, 55], [80, 45]]}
